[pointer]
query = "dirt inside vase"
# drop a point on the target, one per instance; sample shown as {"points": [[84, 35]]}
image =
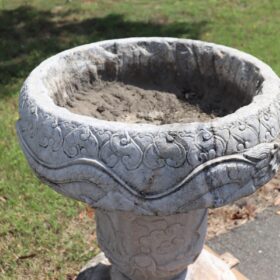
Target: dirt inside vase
{"points": [[116, 101]]}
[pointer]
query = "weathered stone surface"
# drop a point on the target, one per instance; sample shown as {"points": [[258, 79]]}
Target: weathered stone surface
{"points": [[150, 247], [152, 184], [206, 267], [144, 168]]}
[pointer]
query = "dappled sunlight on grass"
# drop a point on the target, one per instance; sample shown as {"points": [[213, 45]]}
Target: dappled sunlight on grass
{"points": [[29, 35], [42, 234]]}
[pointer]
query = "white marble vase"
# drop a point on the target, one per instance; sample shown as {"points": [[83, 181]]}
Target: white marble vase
{"points": [[151, 185]]}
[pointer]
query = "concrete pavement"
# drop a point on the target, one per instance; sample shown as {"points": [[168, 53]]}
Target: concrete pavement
{"points": [[256, 244]]}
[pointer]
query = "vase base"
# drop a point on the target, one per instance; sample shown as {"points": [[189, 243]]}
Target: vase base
{"points": [[206, 267]]}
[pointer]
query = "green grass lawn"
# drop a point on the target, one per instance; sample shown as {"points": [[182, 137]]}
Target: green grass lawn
{"points": [[42, 234]]}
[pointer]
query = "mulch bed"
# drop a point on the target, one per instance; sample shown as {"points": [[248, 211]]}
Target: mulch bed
{"points": [[246, 209]]}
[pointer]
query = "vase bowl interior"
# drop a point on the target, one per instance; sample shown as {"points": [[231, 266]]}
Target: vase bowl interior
{"points": [[153, 82]]}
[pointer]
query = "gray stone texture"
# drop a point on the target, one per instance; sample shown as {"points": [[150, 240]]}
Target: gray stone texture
{"points": [[154, 174], [151, 247], [144, 168], [206, 267]]}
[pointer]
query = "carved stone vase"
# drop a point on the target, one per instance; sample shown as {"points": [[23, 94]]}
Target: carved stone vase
{"points": [[151, 185]]}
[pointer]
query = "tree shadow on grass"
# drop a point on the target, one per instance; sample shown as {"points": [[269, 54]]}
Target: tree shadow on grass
{"points": [[28, 36]]}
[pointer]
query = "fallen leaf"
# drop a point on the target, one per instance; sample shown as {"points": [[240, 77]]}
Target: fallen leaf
{"points": [[277, 201], [269, 187], [229, 259], [238, 215], [71, 276], [81, 215], [26, 256], [251, 210], [90, 212], [3, 198], [2, 270]]}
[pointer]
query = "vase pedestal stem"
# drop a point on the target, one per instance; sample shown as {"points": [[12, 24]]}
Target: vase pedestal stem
{"points": [[151, 247]]}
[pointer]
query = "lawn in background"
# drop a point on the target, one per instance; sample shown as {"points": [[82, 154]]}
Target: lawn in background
{"points": [[42, 234]]}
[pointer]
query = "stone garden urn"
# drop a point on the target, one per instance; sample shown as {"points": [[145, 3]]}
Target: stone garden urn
{"points": [[151, 132]]}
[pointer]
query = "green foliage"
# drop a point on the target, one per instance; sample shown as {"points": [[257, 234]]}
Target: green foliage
{"points": [[42, 234]]}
